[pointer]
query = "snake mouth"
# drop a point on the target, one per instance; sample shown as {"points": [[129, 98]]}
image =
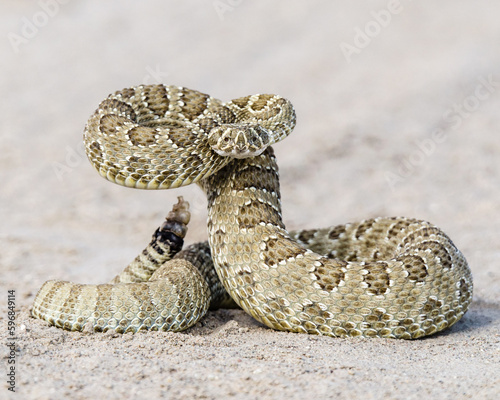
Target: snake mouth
{"points": [[238, 152]]}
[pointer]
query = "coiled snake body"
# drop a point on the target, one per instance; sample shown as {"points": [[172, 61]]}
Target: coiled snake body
{"points": [[383, 277]]}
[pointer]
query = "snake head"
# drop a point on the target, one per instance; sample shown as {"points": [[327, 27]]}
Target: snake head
{"points": [[240, 140]]}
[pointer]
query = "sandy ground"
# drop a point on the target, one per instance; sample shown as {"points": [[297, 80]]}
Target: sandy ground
{"points": [[397, 108]]}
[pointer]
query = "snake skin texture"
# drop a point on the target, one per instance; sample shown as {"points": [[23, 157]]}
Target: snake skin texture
{"points": [[383, 277], [150, 293]]}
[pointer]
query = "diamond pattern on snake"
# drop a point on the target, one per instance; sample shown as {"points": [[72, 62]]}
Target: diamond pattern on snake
{"points": [[383, 277]]}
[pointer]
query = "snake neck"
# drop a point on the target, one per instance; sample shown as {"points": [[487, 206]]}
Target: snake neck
{"points": [[244, 195], [244, 214]]}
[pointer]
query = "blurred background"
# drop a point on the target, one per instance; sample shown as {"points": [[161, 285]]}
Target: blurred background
{"points": [[397, 105]]}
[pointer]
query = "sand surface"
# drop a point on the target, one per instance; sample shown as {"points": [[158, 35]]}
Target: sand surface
{"points": [[397, 107]]}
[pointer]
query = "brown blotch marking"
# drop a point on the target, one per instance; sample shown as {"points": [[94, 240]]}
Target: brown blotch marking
{"points": [[141, 136], [223, 114], [207, 124], [306, 235], [241, 102], [415, 266], [272, 111], [182, 136], [258, 177], [215, 180], [430, 230], [424, 232], [256, 212], [377, 278], [144, 103], [363, 227], [438, 250], [127, 93], [399, 226], [329, 276], [280, 249], [156, 96], [261, 102], [109, 123], [335, 233], [351, 257], [115, 106], [194, 103], [173, 124]]}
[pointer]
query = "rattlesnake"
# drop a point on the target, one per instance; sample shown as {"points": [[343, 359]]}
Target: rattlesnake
{"points": [[383, 277]]}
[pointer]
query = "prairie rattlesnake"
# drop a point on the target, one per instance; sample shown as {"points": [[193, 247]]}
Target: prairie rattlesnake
{"points": [[385, 277]]}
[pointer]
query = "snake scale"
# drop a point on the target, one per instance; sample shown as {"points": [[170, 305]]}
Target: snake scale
{"points": [[382, 277]]}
